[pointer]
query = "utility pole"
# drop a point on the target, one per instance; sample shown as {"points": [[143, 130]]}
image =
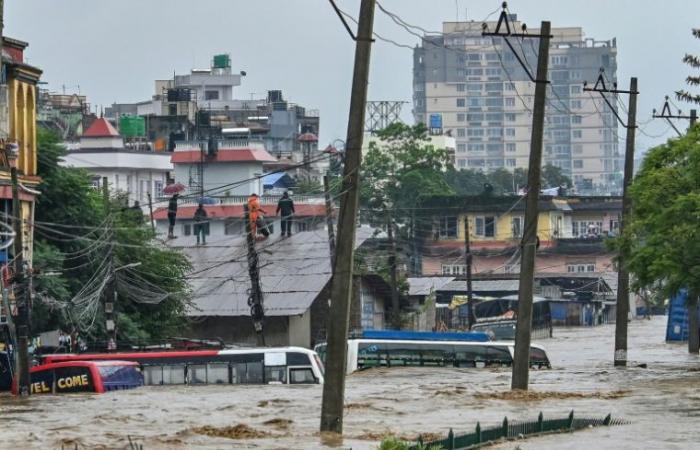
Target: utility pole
{"points": [[329, 217], [521, 360], [110, 300], [395, 306], [21, 292], [150, 210], [623, 277], [341, 285], [255, 299], [666, 114], [468, 264]]}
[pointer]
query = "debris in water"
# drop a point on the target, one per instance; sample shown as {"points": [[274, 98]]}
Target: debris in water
{"points": [[240, 431], [279, 423], [274, 401], [528, 396]]}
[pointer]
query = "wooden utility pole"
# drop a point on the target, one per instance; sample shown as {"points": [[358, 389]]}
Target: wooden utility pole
{"points": [[255, 300], [329, 216], [468, 264], [341, 285], [521, 359], [22, 293], [623, 276], [395, 306], [693, 117]]}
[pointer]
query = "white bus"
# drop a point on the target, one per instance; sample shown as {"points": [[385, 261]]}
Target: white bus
{"points": [[368, 353]]}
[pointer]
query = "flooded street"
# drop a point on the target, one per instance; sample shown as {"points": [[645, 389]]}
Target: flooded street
{"points": [[662, 402]]}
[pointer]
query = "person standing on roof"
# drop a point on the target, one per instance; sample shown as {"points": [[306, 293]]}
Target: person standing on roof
{"points": [[286, 207], [200, 223], [172, 214], [256, 215]]}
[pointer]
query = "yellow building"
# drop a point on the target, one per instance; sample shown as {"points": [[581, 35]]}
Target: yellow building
{"points": [[18, 133]]}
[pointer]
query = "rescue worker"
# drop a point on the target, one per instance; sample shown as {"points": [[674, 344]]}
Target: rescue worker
{"points": [[286, 206], [200, 223], [256, 215], [172, 214]]}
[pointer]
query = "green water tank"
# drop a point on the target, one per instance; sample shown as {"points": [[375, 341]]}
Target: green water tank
{"points": [[132, 126], [222, 61]]}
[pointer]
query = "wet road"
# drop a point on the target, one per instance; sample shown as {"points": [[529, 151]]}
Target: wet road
{"points": [[662, 401]]}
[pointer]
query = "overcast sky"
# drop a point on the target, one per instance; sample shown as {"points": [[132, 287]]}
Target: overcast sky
{"points": [[115, 49]]}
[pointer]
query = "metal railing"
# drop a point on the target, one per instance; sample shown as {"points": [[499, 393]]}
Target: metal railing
{"points": [[513, 430], [243, 199], [222, 144]]}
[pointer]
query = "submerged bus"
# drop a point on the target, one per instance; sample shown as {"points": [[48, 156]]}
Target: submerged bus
{"points": [[281, 365], [72, 377], [425, 351]]}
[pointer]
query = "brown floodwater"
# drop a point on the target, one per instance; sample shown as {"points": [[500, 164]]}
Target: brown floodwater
{"points": [[661, 401]]}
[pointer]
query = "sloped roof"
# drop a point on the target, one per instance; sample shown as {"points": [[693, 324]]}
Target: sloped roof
{"points": [[101, 128], [482, 286], [222, 155], [293, 272], [271, 178], [423, 285], [226, 211]]}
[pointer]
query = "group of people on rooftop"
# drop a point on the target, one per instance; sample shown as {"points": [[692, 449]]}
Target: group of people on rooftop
{"points": [[256, 216]]}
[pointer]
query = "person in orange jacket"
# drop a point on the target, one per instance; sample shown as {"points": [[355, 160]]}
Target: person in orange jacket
{"points": [[256, 212]]}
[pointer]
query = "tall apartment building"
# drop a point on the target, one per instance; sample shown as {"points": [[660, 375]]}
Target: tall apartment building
{"points": [[476, 87]]}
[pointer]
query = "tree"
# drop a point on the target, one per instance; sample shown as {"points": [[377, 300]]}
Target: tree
{"points": [[73, 234], [692, 80], [552, 176], [661, 241]]}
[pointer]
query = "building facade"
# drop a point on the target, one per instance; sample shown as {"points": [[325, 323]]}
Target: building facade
{"points": [[476, 87]]}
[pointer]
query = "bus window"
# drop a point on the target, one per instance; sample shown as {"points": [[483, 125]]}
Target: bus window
{"points": [[298, 359], [403, 354], [321, 351], [498, 356], [469, 355], [73, 379], [436, 355], [369, 355], [217, 373], [247, 373], [196, 374], [276, 374], [42, 382], [301, 376], [174, 374], [119, 377], [153, 375]]}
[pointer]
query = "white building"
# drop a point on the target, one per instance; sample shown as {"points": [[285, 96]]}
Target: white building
{"points": [[130, 170]]}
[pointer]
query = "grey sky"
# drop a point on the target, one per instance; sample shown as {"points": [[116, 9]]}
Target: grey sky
{"points": [[115, 49]]}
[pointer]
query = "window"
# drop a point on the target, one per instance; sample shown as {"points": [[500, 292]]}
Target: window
{"points": [[577, 134], [174, 374], [494, 101], [510, 162], [247, 373], [485, 226], [447, 227], [575, 89], [474, 57], [510, 101], [576, 120], [559, 60], [491, 57], [517, 227], [474, 87], [575, 75], [461, 148], [578, 149], [460, 132], [476, 101], [276, 374], [196, 374], [475, 132], [579, 268], [460, 117], [510, 117], [510, 147], [495, 132], [578, 164], [492, 71], [158, 188], [462, 163], [510, 86], [460, 87], [301, 376], [475, 147], [460, 103], [454, 269], [211, 95], [475, 72], [217, 373], [510, 132], [475, 117], [576, 104]]}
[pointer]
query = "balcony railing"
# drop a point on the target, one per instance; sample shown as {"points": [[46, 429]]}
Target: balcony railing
{"points": [[223, 144], [192, 199]]}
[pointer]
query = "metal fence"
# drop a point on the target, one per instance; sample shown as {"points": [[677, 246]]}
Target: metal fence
{"points": [[513, 430]]}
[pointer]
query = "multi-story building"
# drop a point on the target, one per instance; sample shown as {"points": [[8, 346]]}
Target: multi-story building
{"points": [[134, 171], [476, 87], [18, 93]]}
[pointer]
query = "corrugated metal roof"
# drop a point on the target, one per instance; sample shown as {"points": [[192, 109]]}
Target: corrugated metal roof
{"points": [[482, 285], [424, 285], [293, 271]]}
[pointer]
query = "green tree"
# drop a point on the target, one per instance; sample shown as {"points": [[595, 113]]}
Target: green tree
{"points": [[661, 241], [553, 176], [692, 80], [73, 235]]}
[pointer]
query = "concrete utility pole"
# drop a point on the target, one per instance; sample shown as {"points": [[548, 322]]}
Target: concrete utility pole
{"points": [[623, 276], [150, 210], [111, 291], [22, 294], [468, 264], [341, 285], [255, 300], [521, 360], [666, 114], [395, 306], [329, 217]]}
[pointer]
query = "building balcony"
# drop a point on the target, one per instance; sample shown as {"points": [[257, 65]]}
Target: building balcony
{"points": [[243, 199], [223, 144]]}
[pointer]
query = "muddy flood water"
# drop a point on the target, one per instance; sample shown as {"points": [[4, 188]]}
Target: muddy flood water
{"points": [[662, 402]]}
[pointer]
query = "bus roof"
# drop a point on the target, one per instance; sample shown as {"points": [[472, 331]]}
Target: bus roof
{"points": [[424, 335]]}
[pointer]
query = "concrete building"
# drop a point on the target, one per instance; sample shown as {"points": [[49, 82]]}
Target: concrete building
{"points": [[475, 87], [132, 171], [18, 93]]}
